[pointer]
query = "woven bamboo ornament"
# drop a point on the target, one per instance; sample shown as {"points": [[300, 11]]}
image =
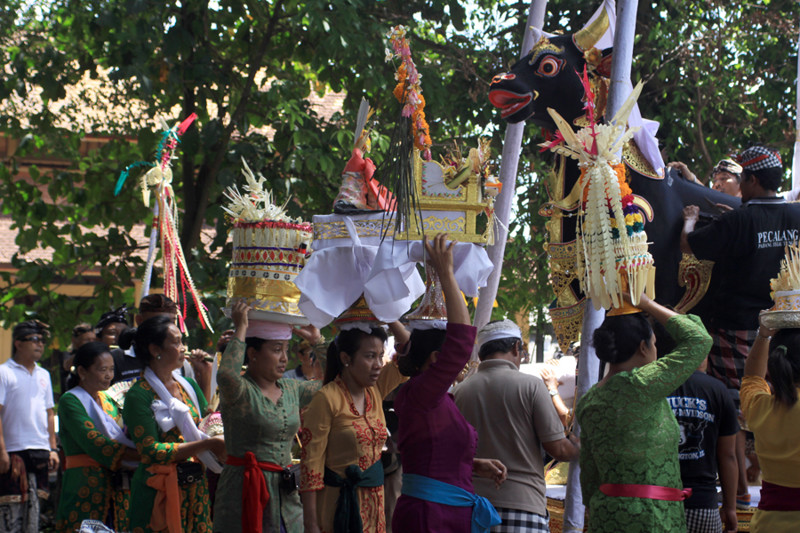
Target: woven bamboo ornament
{"points": [[178, 283], [612, 245]]}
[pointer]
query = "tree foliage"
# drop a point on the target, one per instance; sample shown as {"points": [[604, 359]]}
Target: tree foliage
{"points": [[719, 76]]}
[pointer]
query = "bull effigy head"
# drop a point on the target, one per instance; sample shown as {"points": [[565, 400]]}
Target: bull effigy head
{"points": [[546, 77]]}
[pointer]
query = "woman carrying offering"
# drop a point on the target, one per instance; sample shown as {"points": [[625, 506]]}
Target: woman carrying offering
{"points": [[261, 415], [94, 444], [344, 429], [437, 445], [169, 491], [774, 419], [630, 474]]}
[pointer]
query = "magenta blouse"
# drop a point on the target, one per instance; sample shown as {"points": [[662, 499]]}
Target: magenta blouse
{"points": [[434, 439]]}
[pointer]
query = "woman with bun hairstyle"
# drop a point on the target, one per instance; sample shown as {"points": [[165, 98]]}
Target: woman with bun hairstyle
{"points": [[261, 414], [436, 443], [169, 491], [630, 474], [343, 432], [94, 444], [774, 419]]}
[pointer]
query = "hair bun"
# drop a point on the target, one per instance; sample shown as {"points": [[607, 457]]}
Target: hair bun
{"points": [[127, 338]]}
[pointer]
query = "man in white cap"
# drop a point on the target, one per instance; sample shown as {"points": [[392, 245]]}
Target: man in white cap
{"points": [[513, 415]]}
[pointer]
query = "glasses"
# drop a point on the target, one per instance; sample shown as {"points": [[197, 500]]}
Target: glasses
{"points": [[33, 339]]}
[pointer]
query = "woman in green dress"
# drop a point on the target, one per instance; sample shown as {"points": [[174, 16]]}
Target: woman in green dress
{"points": [[169, 491], [261, 416], [94, 444], [630, 474]]}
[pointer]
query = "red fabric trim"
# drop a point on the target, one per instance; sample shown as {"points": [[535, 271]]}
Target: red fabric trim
{"points": [[755, 160], [650, 492], [779, 498], [255, 495]]}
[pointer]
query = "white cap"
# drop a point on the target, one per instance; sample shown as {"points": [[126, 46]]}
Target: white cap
{"points": [[504, 329]]}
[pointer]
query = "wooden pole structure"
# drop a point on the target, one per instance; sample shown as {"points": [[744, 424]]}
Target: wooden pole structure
{"points": [[796, 158], [508, 177], [589, 365]]}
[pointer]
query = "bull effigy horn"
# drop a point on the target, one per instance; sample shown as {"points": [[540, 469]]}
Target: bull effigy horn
{"points": [[587, 37]]}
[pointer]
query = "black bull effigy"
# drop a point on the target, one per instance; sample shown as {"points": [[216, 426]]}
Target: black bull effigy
{"points": [[550, 76]]}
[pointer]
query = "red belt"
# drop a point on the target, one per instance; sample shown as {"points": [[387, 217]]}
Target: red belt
{"points": [[779, 498], [650, 492], [255, 495]]}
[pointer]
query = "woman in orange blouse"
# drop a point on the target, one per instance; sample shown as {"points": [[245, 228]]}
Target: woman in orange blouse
{"points": [[343, 432]]}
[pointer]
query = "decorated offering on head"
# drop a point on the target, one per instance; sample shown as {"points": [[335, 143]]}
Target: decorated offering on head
{"points": [[785, 293], [269, 250]]}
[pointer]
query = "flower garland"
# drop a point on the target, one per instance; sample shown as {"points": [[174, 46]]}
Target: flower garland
{"points": [[408, 90], [613, 262]]}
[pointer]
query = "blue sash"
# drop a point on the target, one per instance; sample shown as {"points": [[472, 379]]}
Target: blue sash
{"points": [[484, 514]]}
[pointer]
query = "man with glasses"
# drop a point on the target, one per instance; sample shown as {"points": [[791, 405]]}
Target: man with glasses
{"points": [[513, 415], [27, 430]]}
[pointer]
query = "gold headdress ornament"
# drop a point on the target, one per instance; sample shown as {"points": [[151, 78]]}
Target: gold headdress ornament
{"points": [[785, 293]]}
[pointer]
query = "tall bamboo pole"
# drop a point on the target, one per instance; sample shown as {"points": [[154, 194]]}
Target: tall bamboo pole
{"points": [[508, 177], [588, 375]]}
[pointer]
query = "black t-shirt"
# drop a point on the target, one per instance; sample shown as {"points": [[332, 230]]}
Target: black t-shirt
{"points": [[704, 411], [748, 245], [126, 367]]}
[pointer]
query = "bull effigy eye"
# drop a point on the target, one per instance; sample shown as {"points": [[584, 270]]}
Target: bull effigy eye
{"points": [[549, 66]]}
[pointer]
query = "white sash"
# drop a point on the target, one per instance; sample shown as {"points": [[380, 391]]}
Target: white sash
{"points": [[170, 412], [102, 420]]}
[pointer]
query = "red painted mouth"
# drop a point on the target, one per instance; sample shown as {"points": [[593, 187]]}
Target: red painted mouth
{"points": [[508, 102]]}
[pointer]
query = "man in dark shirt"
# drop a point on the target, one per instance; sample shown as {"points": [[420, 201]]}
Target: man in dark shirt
{"points": [[747, 245], [707, 418]]}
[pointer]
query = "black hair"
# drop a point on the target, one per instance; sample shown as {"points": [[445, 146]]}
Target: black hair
{"points": [[117, 316], [85, 357], [349, 342], [157, 303], [252, 342], [24, 329], [769, 178], [81, 329], [618, 337], [422, 343], [784, 365], [151, 331], [498, 345]]}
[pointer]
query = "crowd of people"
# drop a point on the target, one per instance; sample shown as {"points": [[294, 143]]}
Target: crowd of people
{"points": [[154, 437]]}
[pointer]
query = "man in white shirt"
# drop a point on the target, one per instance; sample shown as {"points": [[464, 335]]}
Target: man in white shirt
{"points": [[27, 430]]}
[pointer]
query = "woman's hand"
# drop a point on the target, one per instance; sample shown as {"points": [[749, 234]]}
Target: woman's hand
{"points": [[310, 333], [216, 445], [440, 254], [130, 454], [490, 468], [239, 316]]}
